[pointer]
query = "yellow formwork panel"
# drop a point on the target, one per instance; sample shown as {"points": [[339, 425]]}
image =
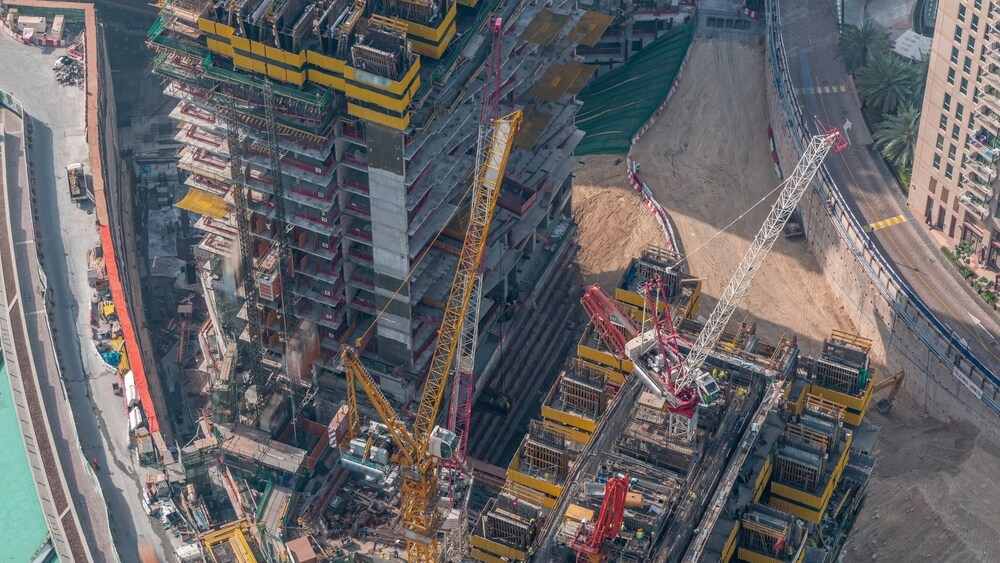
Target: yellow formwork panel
{"points": [[762, 479], [857, 407], [745, 554], [325, 62], [241, 43], [630, 297], [439, 36], [393, 87], [795, 510], [328, 80], [296, 77], [258, 48], [730, 547], [398, 123], [577, 513], [469, 3], [433, 51], [379, 99], [604, 358], [486, 557], [499, 549], [569, 419], [206, 25], [220, 47], [204, 203], [535, 483]]}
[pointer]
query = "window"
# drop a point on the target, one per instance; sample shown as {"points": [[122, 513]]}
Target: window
{"points": [[970, 46], [951, 76], [949, 171], [937, 161], [958, 34], [944, 123], [954, 55], [959, 110], [964, 86], [939, 144], [979, 5], [956, 131], [961, 13], [974, 26], [967, 65], [951, 152], [946, 104]]}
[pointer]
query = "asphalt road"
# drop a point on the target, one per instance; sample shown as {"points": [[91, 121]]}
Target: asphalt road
{"points": [[66, 232], [810, 34]]}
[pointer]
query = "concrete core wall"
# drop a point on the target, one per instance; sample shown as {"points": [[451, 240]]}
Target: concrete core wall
{"points": [[940, 377]]}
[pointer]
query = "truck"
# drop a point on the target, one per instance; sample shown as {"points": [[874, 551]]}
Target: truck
{"points": [[79, 189]]}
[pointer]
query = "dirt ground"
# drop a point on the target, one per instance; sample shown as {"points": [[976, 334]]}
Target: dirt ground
{"points": [[613, 222], [931, 497]]}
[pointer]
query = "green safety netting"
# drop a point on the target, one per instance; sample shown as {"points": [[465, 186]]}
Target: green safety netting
{"points": [[617, 104]]}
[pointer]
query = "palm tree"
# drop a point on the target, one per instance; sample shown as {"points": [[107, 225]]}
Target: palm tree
{"points": [[858, 46], [886, 83], [897, 137], [919, 79]]}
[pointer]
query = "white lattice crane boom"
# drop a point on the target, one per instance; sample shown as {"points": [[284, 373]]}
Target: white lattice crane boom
{"points": [[793, 188]]}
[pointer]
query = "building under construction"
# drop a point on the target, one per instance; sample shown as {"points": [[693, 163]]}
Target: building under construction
{"points": [[777, 470], [355, 126]]}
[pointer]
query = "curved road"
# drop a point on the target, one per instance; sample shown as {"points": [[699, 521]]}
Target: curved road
{"points": [[809, 28]]}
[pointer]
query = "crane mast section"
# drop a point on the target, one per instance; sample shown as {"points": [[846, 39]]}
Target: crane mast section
{"points": [[789, 198], [486, 188], [241, 197]]}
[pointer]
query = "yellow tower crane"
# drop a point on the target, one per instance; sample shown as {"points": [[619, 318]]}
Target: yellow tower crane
{"points": [[419, 450]]}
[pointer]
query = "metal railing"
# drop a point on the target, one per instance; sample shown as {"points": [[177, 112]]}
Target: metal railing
{"points": [[942, 342]]}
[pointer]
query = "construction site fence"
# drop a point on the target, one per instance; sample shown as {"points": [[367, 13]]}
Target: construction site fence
{"points": [[666, 225], [939, 339]]}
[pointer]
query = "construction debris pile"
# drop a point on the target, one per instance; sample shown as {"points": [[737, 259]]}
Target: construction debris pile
{"points": [[69, 71]]}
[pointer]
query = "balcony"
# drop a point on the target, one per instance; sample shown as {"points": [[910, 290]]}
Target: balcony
{"points": [[321, 315], [991, 76], [360, 255], [984, 146], [974, 205], [357, 210], [356, 160], [364, 279], [329, 273], [354, 187], [196, 137], [319, 200], [984, 170], [317, 222], [991, 95], [987, 118], [331, 295], [363, 305], [353, 134], [358, 234], [316, 245], [993, 51]]}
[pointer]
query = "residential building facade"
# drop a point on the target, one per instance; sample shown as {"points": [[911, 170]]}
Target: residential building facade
{"points": [[953, 186]]}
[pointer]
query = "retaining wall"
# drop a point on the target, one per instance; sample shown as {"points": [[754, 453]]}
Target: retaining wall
{"points": [[943, 376]]}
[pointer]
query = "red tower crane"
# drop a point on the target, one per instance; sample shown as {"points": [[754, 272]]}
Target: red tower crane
{"points": [[463, 389]]}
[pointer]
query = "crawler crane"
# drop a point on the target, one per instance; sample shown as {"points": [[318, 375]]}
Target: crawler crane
{"points": [[420, 451], [682, 383]]}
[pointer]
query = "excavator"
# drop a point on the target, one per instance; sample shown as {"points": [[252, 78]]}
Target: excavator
{"points": [[896, 382]]}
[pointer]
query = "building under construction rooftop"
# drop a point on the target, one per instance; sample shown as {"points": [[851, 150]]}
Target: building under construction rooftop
{"points": [[376, 110], [783, 450]]}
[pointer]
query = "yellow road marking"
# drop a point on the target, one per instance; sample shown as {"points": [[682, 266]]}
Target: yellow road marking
{"points": [[906, 258], [878, 225]]}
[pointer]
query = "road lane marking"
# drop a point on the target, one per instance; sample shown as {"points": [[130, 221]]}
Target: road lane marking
{"points": [[879, 225], [903, 255], [823, 89]]}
